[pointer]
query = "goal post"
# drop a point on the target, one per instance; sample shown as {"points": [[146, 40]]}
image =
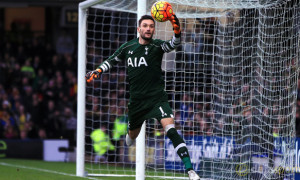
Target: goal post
{"points": [[81, 91], [140, 141], [232, 85], [80, 159]]}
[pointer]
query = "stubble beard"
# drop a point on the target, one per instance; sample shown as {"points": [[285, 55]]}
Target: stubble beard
{"points": [[147, 39]]}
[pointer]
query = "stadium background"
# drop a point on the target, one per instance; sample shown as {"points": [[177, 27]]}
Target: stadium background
{"points": [[38, 77]]}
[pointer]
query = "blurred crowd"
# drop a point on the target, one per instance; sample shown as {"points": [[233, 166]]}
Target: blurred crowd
{"points": [[38, 90], [38, 87]]}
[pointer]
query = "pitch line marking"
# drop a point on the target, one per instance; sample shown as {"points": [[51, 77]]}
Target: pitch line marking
{"points": [[44, 170]]}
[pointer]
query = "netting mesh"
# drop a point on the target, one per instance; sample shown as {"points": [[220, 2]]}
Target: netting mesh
{"points": [[107, 98], [232, 85]]}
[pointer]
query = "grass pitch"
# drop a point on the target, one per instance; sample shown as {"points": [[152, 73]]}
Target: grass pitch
{"points": [[23, 169]]}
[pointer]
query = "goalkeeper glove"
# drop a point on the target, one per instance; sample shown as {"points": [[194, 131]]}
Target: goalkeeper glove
{"points": [[176, 25], [93, 74]]}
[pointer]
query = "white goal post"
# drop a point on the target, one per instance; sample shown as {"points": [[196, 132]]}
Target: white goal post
{"points": [[232, 85], [80, 159]]}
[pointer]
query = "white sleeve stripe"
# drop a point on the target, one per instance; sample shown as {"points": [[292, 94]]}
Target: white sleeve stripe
{"points": [[168, 49], [163, 47], [109, 66], [179, 146], [117, 59], [176, 41], [172, 43], [104, 67], [168, 127]]}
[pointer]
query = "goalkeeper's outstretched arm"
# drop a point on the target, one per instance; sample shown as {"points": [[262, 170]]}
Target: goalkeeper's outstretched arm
{"points": [[168, 46], [106, 65]]}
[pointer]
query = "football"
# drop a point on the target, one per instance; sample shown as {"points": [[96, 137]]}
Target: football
{"points": [[161, 11]]}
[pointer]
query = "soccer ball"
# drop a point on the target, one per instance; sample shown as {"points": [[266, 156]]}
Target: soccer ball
{"points": [[161, 11]]}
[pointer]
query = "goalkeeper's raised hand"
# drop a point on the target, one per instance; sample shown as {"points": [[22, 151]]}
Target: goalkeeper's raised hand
{"points": [[93, 74], [176, 25]]}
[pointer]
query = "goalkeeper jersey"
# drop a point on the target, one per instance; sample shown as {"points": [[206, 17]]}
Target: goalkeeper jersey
{"points": [[143, 64]]}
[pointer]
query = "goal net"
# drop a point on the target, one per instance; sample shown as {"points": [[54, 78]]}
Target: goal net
{"points": [[232, 85]]}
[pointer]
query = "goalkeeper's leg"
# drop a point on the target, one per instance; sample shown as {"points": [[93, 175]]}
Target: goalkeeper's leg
{"points": [[179, 146], [131, 136]]}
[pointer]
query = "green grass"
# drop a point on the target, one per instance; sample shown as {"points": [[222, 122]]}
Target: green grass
{"points": [[24, 169]]}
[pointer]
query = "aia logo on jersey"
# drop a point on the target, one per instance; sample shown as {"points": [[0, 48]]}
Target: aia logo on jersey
{"points": [[136, 62]]}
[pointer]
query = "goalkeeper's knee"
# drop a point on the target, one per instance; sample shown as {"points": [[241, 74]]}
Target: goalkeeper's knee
{"points": [[129, 141], [174, 136]]}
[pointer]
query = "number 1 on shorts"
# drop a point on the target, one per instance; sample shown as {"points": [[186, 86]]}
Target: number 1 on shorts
{"points": [[162, 112]]}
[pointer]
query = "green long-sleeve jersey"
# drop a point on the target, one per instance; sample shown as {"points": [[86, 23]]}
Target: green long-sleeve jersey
{"points": [[143, 64]]}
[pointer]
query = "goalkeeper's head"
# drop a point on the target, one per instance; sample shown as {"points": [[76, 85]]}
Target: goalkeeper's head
{"points": [[146, 27]]}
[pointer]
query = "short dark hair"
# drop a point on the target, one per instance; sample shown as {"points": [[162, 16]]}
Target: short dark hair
{"points": [[145, 17]]}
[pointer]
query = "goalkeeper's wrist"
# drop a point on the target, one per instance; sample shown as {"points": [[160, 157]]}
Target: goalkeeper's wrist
{"points": [[177, 34], [99, 70]]}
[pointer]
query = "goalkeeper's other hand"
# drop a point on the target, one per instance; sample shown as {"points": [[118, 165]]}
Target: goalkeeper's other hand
{"points": [[176, 25], [93, 74]]}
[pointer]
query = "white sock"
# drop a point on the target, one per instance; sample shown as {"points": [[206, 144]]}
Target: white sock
{"points": [[129, 141]]}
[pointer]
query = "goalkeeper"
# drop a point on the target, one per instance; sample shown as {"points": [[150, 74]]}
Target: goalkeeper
{"points": [[148, 99]]}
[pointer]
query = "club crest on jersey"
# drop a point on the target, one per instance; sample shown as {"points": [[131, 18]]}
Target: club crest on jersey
{"points": [[136, 62], [146, 49]]}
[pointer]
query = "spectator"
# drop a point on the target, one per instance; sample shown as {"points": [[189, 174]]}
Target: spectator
{"points": [[37, 64], [65, 44], [10, 132], [36, 47], [23, 93], [54, 66], [21, 55], [119, 130], [49, 52], [40, 81], [8, 124], [2, 73], [24, 135], [15, 75], [298, 120], [15, 98], [72, 84], [31, 129], [27, 96], [50, 92], [36, 112], [42, 133], [22, 117], [185, 106], [54, 125], [28, 70], [6, 105], [69, 63], [101, 144], [70, 124]]}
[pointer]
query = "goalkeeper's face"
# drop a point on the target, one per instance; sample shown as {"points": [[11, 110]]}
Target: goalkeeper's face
{"points": [[146, 29]]}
